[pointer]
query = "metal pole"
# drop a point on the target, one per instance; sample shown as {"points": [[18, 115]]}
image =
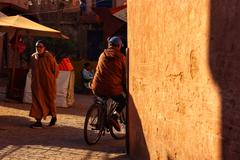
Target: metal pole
{"points": [[13, 64]]}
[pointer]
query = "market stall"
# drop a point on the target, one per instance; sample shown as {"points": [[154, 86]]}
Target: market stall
{"points": [[14, 27]]}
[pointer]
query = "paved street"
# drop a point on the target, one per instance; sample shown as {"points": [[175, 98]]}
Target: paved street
{"points": [[63, 141]]}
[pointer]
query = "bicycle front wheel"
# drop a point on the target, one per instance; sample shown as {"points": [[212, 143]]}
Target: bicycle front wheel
{"points": [[92, 125]]}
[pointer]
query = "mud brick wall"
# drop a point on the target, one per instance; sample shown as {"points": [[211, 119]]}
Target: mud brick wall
{"points": [[184, 64]]}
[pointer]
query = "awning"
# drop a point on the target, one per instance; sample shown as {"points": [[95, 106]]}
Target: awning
{"points": [[25, 26], [2, 14], [120, 12]]}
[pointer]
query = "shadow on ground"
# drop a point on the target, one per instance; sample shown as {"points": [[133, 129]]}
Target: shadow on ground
{"points": [[14, 130]]}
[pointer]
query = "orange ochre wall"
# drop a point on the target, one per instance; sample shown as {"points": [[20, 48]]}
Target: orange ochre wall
{"points": [[174, 101]]}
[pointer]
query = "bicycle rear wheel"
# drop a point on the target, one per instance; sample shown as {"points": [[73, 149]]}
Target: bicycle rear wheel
{"points": [[122, 122], [92, 125]]}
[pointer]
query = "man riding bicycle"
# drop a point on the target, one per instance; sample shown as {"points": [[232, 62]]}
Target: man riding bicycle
{"points": [[110, 77]]}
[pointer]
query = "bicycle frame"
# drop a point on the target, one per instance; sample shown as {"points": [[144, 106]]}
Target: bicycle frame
{"points": [[105, 112]]}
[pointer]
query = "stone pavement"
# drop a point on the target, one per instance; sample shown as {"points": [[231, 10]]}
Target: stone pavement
{"points": [[63, 141]]}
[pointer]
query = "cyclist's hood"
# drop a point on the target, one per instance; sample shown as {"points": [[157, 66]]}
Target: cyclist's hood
{"points": [[112, 53]]}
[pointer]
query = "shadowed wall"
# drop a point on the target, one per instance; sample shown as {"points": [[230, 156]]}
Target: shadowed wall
{"points": [[224, 58]]}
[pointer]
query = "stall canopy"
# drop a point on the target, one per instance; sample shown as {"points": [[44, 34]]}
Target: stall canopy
{"points": [[25, 26]]}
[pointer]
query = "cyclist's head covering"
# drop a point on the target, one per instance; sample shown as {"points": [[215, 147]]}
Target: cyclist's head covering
{"points": [[115, 41]]}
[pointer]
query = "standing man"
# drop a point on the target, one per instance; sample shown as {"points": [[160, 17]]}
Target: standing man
{"points": [[44, 74], [110, 77]]}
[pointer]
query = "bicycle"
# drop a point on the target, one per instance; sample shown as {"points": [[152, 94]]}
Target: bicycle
{"points": [[97, 121]]}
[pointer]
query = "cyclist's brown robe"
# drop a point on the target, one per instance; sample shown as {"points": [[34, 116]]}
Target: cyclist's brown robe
{"points": [[110, 76], [44, 74]]}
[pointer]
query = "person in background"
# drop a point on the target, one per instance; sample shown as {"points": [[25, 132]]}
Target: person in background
{"points": [[110, 77], [44, 73], [87, 74]]}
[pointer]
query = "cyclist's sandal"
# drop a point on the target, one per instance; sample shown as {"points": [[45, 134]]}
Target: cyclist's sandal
{"points": [[115, 124]]}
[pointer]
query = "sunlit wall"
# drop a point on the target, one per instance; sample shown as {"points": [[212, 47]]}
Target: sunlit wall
{"points": [[174, 103]]}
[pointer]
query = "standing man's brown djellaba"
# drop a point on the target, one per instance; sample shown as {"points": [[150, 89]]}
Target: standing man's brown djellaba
{"points": [[44, 73]]}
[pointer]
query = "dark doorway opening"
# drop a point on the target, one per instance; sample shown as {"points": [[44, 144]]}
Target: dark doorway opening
{"points": [[95, 45]]}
